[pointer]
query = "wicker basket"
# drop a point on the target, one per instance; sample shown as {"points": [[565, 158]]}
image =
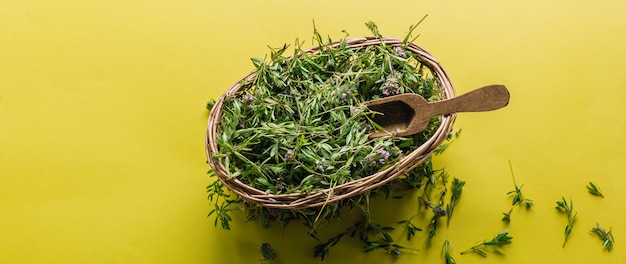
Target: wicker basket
{"points": [[356, 187]]}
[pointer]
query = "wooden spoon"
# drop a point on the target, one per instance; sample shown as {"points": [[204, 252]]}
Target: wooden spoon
{"points": [[407, 114]]}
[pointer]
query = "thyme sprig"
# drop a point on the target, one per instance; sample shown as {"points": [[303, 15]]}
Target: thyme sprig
{"points": [[438, 212], [594, 189], [410, 228], [566, 208], [222, 205], [364, 230], [606, 236], [457, 190], [518, 197], [446, 251], [499, 240], [267, 252], [438, 209]]}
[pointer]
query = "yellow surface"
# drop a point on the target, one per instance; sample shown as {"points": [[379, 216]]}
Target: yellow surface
{"points": [[102, 111]]}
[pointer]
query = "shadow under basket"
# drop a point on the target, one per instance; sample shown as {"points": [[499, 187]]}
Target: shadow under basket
{"points": [[319, 198]]}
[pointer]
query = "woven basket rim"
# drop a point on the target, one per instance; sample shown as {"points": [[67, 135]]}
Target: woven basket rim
{"points": [[337, 193]]}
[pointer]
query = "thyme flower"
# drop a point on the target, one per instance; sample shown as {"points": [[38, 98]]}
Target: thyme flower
{"points": [[399, 51]]}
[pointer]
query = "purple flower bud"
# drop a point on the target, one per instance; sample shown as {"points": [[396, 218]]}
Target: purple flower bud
{"points": [[439, 211], [288, 155], [248, 97], [400, 52]]}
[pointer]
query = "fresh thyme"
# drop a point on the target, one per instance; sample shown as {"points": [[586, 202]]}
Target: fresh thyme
{"points": [[594, 189], [267, 252], [457, 189], [299, 125], [606, 236], [438, 212], [446, 251], [410, 228], [364, 230], [499, 240], [222, 204], [518, 197], [437, 208], [303, 114], [563, 207]]}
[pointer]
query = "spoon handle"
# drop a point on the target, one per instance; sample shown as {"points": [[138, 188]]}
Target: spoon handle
{"points": [[487, 98]]}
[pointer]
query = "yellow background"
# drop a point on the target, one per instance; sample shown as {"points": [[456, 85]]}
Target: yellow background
{"points": [[102, 125]]}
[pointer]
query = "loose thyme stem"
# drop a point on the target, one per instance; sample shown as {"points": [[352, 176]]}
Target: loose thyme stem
{"points": [[447, 252], [518, 198], [457, 190], [606, 236], [562, 206], [267, 252], [499, 240], [594, 189]]}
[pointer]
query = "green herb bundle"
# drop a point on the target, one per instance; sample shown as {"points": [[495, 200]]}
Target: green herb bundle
{"points": [[299, 125]]}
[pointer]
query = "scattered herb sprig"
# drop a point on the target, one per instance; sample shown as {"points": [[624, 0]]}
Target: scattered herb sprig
{"points": [[410, 228], [518, 197], [437, 208], [499, 240], [223, 203], [364, 230], [566, 208], [446, 251], [267, 252], [594, 189], [457, 190], [606, 236]]}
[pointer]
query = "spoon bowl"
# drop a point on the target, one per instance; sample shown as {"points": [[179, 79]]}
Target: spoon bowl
{"points": [[407, 114]]}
